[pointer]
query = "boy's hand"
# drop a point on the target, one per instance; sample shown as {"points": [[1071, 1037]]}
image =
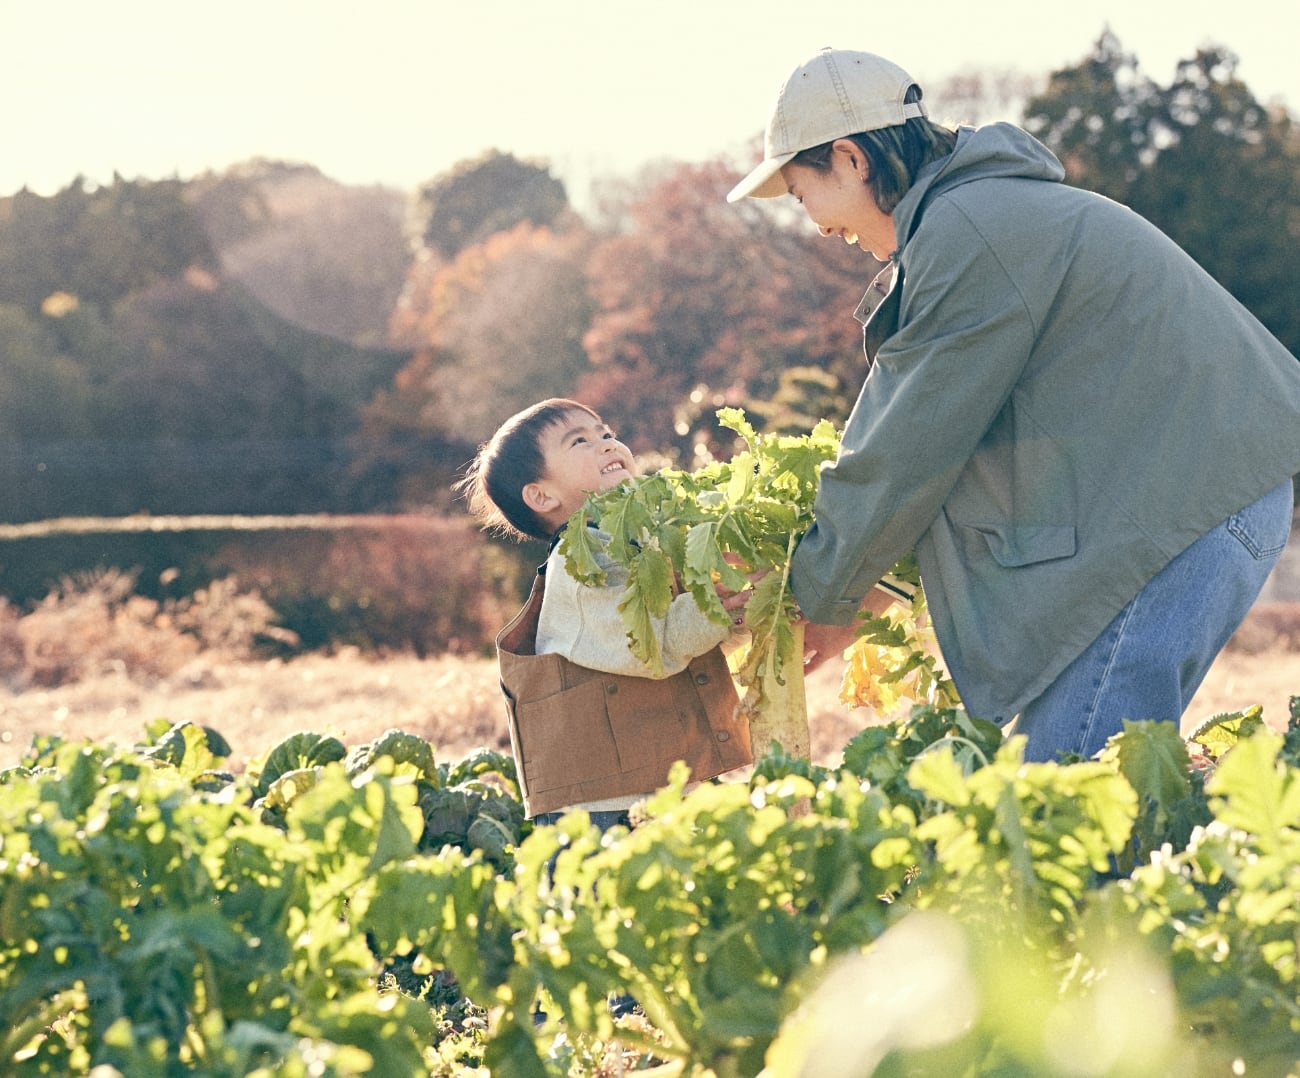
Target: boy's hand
{"points": [[734, 601]]}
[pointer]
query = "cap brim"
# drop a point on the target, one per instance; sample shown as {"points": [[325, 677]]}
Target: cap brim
{"points": [[765, 181]]}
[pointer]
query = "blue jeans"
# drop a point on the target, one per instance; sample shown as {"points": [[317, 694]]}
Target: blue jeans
{"points": [[604, 819], [620, 1004], [1149, 661]]}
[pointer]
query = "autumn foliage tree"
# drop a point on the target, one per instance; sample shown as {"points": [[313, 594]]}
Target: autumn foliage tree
{"points": [[701, 304], [493, 330], [483, 196]]}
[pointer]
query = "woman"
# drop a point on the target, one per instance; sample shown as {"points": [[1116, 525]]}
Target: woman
{"points": [[1088, 443]]}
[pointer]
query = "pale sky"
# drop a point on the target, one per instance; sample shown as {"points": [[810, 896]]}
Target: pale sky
{"points": [[398, 91]]}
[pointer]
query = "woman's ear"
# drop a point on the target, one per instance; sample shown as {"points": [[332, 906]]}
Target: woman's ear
{"points": [[853, 156]]}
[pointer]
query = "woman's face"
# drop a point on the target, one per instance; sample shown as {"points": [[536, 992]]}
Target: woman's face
{"points": [[839, 202]]}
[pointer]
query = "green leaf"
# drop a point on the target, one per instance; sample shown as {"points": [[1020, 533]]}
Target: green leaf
{"points": [[1217, 735], [940, 777], [1153, 757], [625, 517], [703, 559], [410, 753], [647, 597], [1253, 790], [398, 827], [733, 419], [188, 748], [579, 545], [512, 1050], [480, 763], [296, 752]]}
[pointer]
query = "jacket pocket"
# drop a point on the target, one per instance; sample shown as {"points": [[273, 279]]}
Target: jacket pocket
{"points": [[647, 724], [566, 737], [1013, 547]]}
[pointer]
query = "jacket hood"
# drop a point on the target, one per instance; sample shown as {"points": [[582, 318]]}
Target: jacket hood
{"points": [[998, 151]]}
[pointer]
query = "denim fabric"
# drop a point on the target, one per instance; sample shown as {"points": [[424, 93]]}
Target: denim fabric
{"points": [[1149, 661], [620, 1004], [603, 819]]}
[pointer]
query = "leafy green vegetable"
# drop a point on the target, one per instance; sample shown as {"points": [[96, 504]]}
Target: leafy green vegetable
{"points": [[479, 764], [1219, 733], [680, 531], [676, 530], [295, 752], [971, 904], [474, 815], [148, 928], [694, 531], [407, 751]]}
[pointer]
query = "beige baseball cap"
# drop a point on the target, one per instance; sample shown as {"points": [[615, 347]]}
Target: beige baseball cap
{"points": [[835, 94]]}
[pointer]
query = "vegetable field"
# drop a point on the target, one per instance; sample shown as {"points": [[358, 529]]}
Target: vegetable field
{"points": [[370, 909], [922, 902]]}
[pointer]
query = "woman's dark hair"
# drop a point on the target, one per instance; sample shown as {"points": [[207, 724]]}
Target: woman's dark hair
{"points": [[495, 479], [894, 154]]}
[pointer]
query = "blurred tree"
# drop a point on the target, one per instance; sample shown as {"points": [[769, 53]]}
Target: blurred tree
{"points": [[494, 330], [98, 245], [1099, 117], [38, 245], [1201, 159], [702, 304], [484, 196], [133, 376], [84, 332], [803, 397], [45, 401], [324, 255], [208, 416], [1226, 185], [44, 394], [233, 204]]}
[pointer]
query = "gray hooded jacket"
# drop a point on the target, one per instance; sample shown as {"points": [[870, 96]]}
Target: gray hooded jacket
{"points": [[1060, 401]]}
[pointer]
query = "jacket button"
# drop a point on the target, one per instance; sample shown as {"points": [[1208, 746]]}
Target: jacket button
{"points": [[701, 679], [612, 688], [723, 735]]}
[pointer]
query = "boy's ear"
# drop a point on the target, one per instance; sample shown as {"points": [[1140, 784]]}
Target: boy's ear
{"points": [[538, 500]]}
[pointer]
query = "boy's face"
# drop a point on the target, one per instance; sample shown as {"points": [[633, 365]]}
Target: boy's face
{"points": [[582, 456]]}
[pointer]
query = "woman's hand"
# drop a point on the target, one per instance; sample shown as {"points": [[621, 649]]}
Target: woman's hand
{"points": [[822, 642]]}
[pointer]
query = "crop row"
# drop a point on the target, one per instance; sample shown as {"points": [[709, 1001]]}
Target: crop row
{"points": [[941, 908]]}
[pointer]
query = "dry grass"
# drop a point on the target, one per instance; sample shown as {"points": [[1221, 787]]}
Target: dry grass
{"points": [[455, 702], [97, 623], [96, 661]]}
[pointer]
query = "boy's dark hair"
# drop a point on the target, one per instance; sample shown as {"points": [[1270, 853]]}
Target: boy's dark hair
{"points": [[511, 459], [895, 154]]}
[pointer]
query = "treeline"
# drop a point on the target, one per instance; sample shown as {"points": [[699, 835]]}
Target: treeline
{"points": [[267, 340], [145, 368]]}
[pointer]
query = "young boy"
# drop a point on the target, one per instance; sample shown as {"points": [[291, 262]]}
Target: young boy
{"points": [[591, 726]]}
